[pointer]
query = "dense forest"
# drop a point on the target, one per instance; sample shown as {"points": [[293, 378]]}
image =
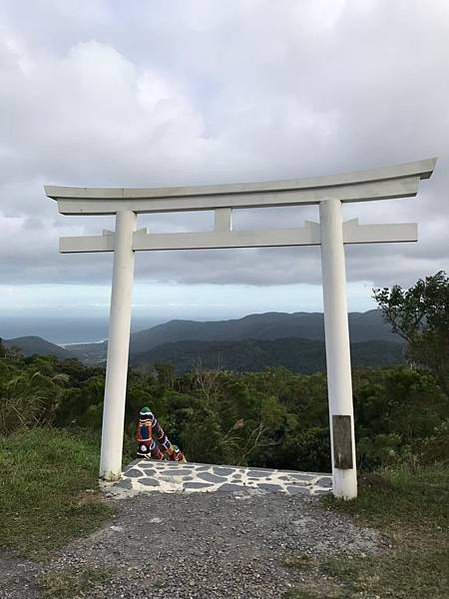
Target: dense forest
{"points": [[253, 355], [274, 418]]}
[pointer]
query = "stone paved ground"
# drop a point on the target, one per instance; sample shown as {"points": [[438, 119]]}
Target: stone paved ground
{"points": [[200, 545], [146, 476]]}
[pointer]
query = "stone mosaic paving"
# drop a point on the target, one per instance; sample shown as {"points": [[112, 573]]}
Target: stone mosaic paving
{"points": [[146, 476]]}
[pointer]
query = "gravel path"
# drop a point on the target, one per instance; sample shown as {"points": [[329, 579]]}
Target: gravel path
{"points": [[200, 546]]}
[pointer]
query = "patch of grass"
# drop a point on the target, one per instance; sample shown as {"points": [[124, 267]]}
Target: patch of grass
{"points": [[412, 509], [404, 573], [299, 561], [326, 592], [48, 490], [401, 497], [314, 583], [302, 595], [67, 583]]}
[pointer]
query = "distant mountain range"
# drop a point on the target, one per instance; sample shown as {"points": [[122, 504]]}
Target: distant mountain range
{"points": [[252, 355], [36, 345], [254, 342], [364, 326]]}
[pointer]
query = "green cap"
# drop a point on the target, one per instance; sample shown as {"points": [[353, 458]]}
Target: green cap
{"points": [[145, 410]]}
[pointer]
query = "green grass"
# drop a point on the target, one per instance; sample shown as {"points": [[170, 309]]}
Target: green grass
{"points": [[299, 562], [404, 573], [68, 583], [48, 490], [411, 508], [307, 595], [401, 498]]}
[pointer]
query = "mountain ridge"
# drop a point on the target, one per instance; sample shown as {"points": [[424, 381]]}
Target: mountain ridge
{"points": [[32, 344], [191, 335], [253, 355], [364, 326]]}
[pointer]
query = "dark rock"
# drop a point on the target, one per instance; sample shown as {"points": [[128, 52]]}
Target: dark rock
{"points": [[134, 463], [123, 484], [230, 488], [260, 473], [173, 472], [326, 482], [222, 471], [272, 488], [196, 485], [149, 471], [149, 482], [298, 490], [301, 476], [133, 473], [212, 478]]}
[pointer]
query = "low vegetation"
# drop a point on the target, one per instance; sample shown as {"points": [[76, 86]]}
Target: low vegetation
{"points": [[273, 418], [69, 583], [411, 508], [48, 490]]}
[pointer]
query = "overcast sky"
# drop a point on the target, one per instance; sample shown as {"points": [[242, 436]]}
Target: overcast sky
{"points": [[143, 93]]}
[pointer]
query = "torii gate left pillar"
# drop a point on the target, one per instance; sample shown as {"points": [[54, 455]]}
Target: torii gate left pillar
{"points": [[331, 234], [118, 346]]}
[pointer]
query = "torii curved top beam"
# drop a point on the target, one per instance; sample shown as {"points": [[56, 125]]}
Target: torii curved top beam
{"points": [[397, 181]]}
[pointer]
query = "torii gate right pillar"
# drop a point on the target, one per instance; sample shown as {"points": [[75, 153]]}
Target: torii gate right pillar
{"points": [[338, 357]]}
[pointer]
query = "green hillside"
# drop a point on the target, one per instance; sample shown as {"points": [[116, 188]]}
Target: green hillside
{"points": [[254, 355], [32, 345], [364, 326]]}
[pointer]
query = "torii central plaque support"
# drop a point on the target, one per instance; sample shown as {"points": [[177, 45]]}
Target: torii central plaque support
{"points": [[330, 233]]}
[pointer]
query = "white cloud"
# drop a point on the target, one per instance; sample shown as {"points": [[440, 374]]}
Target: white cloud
{"points": [[199, 91]]}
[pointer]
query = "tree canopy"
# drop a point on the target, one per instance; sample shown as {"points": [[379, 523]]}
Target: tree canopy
{"points": [[420, 314]]}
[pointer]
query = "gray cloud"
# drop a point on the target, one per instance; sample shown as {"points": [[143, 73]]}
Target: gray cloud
{"points": [[201, 91]]}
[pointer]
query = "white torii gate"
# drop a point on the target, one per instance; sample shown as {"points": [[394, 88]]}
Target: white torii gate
{"points": [[331, 233]]}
